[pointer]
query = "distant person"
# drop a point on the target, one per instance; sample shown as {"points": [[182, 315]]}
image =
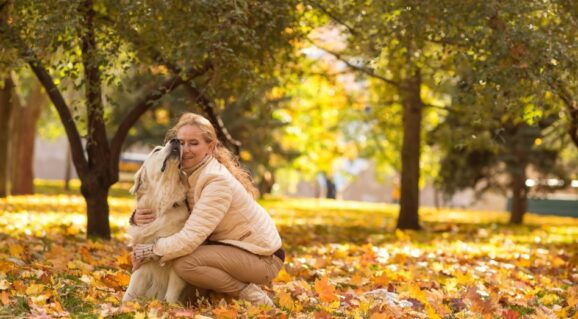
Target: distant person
{"points": [[229, 243]]}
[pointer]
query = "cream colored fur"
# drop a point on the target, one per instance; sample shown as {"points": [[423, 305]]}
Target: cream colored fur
{"points": [[165, 193]]}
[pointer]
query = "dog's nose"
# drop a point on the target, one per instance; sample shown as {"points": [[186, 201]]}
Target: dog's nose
{"points": [[175, 142]]}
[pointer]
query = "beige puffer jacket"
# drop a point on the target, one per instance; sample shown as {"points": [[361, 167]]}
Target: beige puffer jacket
{"points": [[223, 210]]}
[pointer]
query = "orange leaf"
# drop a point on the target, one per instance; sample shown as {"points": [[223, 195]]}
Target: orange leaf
{"points": [[224, 313], [325, 290], [322, 315], [5, 297], [356, 280], [382, 280], [116, 280], [510, 314]]}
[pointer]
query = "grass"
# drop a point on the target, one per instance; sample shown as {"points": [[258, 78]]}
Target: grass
{"points": [[464, 264]]}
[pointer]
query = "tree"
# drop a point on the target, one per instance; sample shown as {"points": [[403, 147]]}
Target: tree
{"points": [[6, 108], [508, 150], [97, 41], [500, 51], [27, 109]]}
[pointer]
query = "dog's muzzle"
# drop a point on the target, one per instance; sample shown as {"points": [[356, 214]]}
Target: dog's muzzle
{"points": [[175, 152]]}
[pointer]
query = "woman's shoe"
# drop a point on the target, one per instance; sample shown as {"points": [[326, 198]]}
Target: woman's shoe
{"points": [[255, 295]]}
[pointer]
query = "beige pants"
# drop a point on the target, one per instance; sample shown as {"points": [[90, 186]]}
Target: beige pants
{"points": [[226, 269]]}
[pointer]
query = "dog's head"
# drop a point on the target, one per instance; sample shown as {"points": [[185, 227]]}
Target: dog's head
{"points": [[160, 178]]}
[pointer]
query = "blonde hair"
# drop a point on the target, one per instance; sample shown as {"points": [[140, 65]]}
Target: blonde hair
{"points": [[220, 152]]}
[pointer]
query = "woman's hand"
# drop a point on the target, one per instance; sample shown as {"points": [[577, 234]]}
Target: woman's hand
{"points": [[143, 216], [141, 254]]}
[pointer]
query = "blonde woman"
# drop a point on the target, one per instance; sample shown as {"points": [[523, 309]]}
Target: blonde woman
{"points": [[229, 244]]}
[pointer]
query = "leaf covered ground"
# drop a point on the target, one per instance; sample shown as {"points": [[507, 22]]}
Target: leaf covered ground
{"points": [[344, 261]]}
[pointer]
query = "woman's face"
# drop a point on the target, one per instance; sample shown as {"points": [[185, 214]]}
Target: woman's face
{"points": [[193, 146]]}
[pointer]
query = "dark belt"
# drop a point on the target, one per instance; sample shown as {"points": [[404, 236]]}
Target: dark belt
{"points": [[280, 253]]}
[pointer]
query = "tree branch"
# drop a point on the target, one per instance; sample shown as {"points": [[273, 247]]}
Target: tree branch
{"points": [[571, 108], [207, 106], [361, 69], [199, 97], [97, 146], [137, 111], [333, 17]]}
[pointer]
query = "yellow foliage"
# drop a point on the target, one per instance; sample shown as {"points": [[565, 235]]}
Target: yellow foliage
{"points": [[344, 260]]}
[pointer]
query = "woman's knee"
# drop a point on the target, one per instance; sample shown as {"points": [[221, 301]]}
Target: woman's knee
{"points": [[184, 265]]}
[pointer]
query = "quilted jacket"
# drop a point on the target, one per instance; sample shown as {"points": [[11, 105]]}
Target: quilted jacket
{"points": [[221, 211]]}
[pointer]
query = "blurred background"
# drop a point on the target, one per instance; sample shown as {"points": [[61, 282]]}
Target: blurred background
{"points": [[445, 104]]}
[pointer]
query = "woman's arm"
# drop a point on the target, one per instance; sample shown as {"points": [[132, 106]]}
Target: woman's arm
{"points": [[214, 202]]}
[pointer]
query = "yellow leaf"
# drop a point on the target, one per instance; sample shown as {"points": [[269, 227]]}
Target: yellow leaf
{"points": [[15, 250], [34, 289], [325, 290], [549, 299], [431, 313], [124, 259], [401, 235], [283, 276], [285, 300]]}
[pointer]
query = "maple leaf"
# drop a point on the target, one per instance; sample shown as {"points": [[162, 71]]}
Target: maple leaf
{"points": [[510, 314], [325, 290], [285, 300]]}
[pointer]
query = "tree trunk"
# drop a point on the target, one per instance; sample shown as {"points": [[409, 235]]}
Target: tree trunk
{"points": [[410, 153], [96, 197], [519, 196], [67, 170], [24, 122], [97, 180], [6, 104]]}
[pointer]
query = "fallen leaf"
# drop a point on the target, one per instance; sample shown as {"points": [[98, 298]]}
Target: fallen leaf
{"points": [[325, 290]]}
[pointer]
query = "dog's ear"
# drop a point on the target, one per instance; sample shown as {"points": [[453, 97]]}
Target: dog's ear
{"points": [[138, 180]]}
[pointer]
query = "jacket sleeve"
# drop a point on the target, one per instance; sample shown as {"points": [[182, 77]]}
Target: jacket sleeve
{"points": [[212, 205]]}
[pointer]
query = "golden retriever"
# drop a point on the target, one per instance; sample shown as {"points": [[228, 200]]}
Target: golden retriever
{"points": [[161, 186]]}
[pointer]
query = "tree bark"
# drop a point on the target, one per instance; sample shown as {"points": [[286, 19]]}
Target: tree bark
{"points": [[410, 153], [24, 121], [6, 106], [519, 195], [95, 192], [98, 179]]}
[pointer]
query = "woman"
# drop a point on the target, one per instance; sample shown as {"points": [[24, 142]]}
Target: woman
{"points": [[229, 243]]}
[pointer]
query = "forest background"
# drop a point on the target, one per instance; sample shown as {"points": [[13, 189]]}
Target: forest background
{"points": [[463, 94]]}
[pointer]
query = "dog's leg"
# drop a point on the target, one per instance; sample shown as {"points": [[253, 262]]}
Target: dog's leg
{"points": [[137, 286], [174, 288]]}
